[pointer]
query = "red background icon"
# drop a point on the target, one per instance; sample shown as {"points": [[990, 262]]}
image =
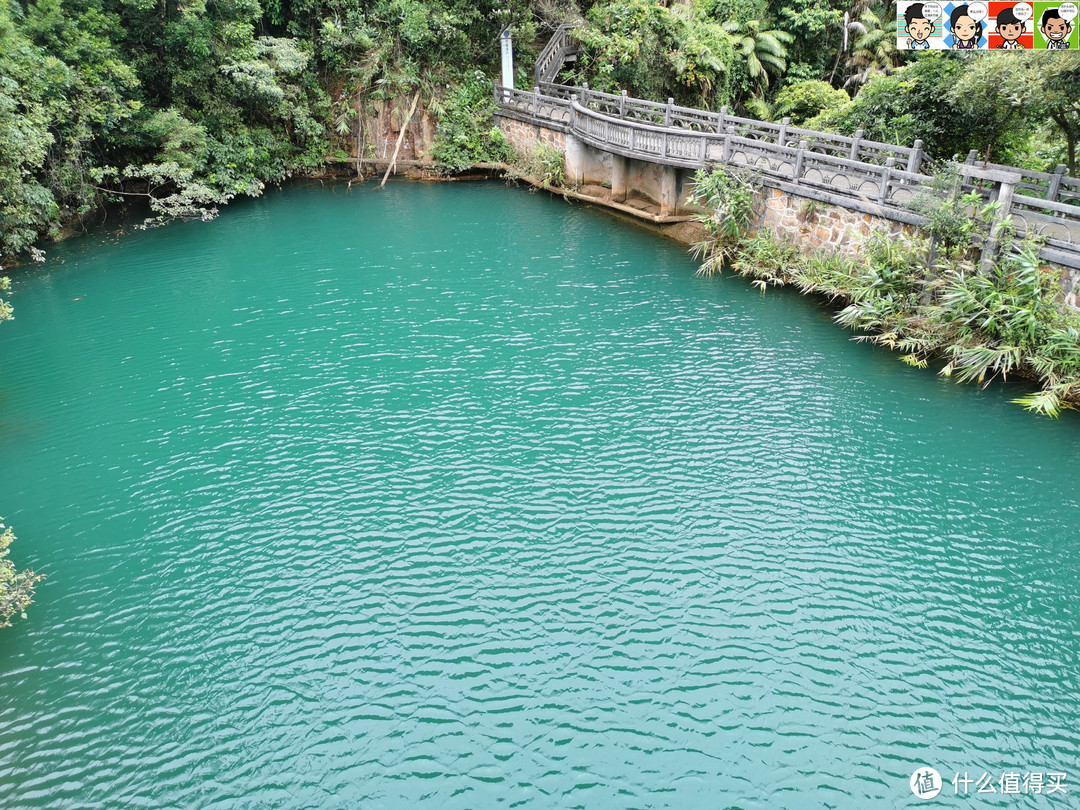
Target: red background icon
{"points": [[1027, 39]]}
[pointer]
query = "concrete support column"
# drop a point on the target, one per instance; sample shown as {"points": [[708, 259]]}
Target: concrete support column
{"points": [[618, 178], [575, 161], [669, 200]]}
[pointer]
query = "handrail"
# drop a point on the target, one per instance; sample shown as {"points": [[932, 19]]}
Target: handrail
{"points": [[992, 175], [1043, 182], [687, 118], [854, 146], [728, 138], [625, 107], [554, 54]]}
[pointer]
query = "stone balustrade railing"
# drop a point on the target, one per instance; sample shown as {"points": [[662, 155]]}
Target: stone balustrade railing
{"points": [[670, 115], [558, 50]]}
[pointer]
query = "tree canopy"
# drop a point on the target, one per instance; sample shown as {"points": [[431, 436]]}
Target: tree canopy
{"points": [[185, 104]]}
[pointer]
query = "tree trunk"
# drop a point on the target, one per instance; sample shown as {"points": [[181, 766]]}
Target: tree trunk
{"points": [[400, 138], [1070, 139], [359, 136]]}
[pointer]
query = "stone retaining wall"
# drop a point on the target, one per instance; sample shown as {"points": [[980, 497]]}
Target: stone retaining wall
{"points": [[525, 137], [812, 224], [1070, 283]]}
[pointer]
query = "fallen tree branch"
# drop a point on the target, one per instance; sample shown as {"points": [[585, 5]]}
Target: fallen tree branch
{"points": [[400, 138]]}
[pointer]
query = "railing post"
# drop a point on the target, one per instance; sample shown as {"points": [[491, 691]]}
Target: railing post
{"points": [[536, 101], [584, 95], [973, 155], [1005, 198], [799, 160], [573, 111], [886, 171], [1055, 182], [853, 154], [991, 246], [622, 104], [721, 127], [914, 161], [663, 145], [781, 137], [667, 112], [725, 153], [495, 91]]}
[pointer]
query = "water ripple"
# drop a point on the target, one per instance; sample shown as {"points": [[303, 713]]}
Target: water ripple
{"points": [[459, 497]]}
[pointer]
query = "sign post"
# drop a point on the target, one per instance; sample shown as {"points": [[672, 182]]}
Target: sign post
{"points": [[506, 44]]}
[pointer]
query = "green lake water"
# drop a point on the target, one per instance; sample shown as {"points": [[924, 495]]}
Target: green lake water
{"points": [[457, 496]]}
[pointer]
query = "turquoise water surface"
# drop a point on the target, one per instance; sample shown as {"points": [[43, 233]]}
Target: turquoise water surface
{"points": [[457, 496]]}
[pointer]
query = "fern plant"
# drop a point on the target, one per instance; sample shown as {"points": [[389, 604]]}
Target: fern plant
{"points": [[727, 197]]}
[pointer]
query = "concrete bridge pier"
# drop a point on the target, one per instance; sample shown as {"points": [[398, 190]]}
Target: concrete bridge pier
{"points": [[576, 160], [669, 196], [619, 173], [586, 165]]}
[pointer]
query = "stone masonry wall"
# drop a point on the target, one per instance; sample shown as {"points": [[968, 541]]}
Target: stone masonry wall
{"points": [[813, 225], [524, 137], [1070, 284], [831, 226]]}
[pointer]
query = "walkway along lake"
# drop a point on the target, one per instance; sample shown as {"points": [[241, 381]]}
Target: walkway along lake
{"points": [[451, 496]]}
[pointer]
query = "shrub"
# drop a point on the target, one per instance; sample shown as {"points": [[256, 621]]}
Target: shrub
{"points": [[984, 325], [803, 100], [544, 163], [16, 587], [727, 195], [466, 134]]}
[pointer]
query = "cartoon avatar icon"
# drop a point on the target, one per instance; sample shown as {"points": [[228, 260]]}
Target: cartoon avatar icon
{"points": [[1056, 29], [1010, 29], [966, 32], [918, 27]]}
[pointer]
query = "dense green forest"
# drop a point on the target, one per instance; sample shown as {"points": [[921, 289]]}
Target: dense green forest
{"points": [[184, 104]]}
